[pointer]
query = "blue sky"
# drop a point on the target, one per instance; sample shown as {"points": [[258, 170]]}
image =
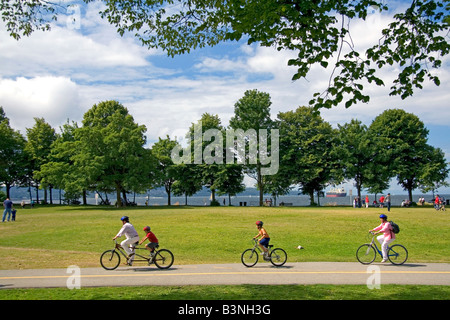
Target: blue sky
{"points": [[60, 74]]}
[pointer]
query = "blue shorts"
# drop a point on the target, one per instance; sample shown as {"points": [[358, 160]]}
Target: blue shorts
{"points": [[265, 242]]}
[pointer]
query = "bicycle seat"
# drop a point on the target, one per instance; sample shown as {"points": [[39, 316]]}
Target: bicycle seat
{"points": [[270, 246]]}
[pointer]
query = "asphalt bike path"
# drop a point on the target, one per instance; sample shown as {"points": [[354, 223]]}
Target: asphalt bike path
{"points": [[233, 274]]}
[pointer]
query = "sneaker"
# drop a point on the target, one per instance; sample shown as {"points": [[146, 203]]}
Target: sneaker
{"points": [[383, 261]]}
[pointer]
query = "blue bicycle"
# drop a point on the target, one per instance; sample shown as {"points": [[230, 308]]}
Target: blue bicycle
{"points": [[366, 253]]}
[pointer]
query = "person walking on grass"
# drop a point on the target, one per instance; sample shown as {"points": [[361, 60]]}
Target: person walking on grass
{"points": [[8, 205], [388, 235]]}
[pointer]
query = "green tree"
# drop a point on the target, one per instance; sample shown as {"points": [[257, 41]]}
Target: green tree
{"points": [[61, 171], [13, 160], [207, 140], [251, 114], [111, 151], [435, 171], [360, 156], [39, 145], [230, 180], [403, 140], [307, 148], [166, 173], [187, 181]]}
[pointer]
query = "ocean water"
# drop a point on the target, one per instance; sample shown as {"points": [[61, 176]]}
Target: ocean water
{"points": [[250, 198], [300, 200]]}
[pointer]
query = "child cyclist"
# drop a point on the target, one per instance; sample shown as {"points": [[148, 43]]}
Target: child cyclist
{"points": [[152, 238], [264, 238]]}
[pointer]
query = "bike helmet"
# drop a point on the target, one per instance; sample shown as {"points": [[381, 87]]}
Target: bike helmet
{"points": [[147, 228], [383, 216], [259, 223], [125, 218]]}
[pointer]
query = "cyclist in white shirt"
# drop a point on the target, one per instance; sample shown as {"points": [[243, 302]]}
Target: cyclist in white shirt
{"points": [[131, 237]]}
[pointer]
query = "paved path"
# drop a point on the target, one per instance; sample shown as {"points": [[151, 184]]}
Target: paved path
{"points": [[219, 274]]}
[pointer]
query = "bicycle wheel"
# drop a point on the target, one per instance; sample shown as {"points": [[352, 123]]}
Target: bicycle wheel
{"points": [[110, 259], [366, 254], [163, 259], [249, 257], [397, 254], [278, 257]]}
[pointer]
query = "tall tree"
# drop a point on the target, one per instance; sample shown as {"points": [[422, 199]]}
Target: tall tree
{"points": [[230, 180], [165, 168], [207, 143], [360, 156], [61, 170], [13, 160], [39, 145], [307, 148], [403, 138], [111, 149], [188, 181], [435, 171], [251, 114]]}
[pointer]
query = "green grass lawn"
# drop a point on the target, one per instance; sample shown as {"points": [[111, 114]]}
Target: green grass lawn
{"points": [[59, 236], [235, 292]]}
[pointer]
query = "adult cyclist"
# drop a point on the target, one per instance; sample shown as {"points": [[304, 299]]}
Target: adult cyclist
{"points": [[131, 237], [388, 235]]}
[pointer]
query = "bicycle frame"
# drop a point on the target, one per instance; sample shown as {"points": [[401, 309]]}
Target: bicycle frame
{"points": [[256, 246], [119, 248], [276, 256], [373, 243]]}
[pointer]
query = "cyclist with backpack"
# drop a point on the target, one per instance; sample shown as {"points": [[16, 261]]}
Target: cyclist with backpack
{"points": [[388, 235]]}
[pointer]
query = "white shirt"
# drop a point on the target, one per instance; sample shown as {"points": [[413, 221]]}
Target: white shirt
{"points": [[127, 230]]}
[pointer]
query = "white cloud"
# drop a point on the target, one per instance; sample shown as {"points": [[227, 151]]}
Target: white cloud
{"points": [[54, 98]]}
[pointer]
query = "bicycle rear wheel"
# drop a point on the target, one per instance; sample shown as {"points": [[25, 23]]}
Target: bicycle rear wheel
{"points": [[249, 257], [278, 257], [163, 259], [110, 259], [397, 254], [366, 254]]}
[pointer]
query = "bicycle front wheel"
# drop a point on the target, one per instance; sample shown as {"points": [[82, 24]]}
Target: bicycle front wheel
{"points": [[110, 259], [278, 257], [249, 257], [397, 254], [163, 259], [366, 254]]}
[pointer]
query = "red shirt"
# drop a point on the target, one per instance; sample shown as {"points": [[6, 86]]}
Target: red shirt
{"points": [[151, 237]]}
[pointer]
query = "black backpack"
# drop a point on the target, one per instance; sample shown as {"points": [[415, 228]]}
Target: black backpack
{"points": [[395, 227]]}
